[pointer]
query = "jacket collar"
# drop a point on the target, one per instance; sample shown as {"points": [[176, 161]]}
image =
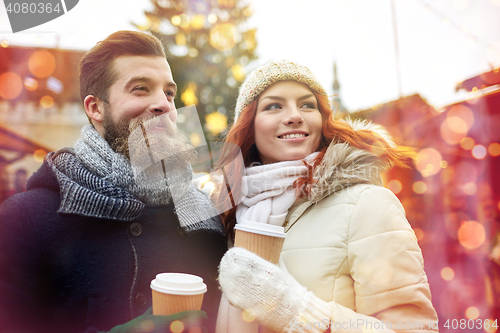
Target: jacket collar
{"points": [[342, 166]]}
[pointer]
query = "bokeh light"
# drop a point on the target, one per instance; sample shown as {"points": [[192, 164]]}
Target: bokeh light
{"points": [[447, 273], [177, 326], [248, 315], [470, 188], [238, 72], [46, 102], [419, 187], [419, 233], [42, 64], [428, 162], [195, 139], [494, 149], [467, 143], [457, 125], [460, 118], [180, 39], [395, 186], [39, 155], [450, 136], [4, 44], [11, 85], [223, 36], [176, 20], [216, 122], [30, 84], [472, 312], [198, 21], [479, 152], [471, 235], [188, 97], [444, 164], [184, 21], [212, 18]]}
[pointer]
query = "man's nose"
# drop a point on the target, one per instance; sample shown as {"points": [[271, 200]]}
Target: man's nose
{"points": [[161, 103]]}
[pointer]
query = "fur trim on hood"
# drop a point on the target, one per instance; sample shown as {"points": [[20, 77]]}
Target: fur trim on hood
{"points": [[344, 165]]}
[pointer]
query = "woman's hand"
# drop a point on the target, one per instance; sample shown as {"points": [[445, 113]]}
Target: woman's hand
{"points": [[270, 294]]}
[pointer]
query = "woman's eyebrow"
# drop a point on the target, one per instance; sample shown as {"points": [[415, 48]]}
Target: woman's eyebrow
{"points": [[279, 98]]}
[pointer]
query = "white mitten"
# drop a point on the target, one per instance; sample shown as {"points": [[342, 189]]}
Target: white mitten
{"points": [[273, 295]]}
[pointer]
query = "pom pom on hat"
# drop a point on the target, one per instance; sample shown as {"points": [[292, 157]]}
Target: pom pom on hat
{"points": [[263, 77]]}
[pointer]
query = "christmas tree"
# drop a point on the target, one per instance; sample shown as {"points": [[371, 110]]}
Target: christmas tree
{"points": [[208, 45]]}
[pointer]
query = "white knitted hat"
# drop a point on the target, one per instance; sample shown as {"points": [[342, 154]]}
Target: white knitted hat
{"points": [[261, 78]]}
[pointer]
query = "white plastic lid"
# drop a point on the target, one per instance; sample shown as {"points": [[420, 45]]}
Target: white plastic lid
{"points": [[261, 228], [179, 284]]}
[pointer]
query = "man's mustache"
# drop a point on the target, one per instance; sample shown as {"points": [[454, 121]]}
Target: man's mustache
{"points": [[153, 125]]}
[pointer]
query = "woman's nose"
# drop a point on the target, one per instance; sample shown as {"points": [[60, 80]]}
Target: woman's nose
{"points": [[293, 116]]}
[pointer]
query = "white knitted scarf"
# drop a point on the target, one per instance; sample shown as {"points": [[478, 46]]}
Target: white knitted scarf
{"points": [[268, 191]]}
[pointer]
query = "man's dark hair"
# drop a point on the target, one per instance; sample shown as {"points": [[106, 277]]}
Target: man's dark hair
{"points": [[96, 67]]}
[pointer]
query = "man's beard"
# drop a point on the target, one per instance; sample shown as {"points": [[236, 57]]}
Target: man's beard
{"points": [[138, 139]]}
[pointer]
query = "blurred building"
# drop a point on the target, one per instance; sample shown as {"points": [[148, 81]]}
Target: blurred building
{"points": [[452, 193], [337, 101], [40, 108]]}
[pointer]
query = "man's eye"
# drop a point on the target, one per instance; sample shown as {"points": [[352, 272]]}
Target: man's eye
{"points": [[140, 88]]}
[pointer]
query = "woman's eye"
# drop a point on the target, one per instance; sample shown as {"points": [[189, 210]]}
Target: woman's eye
{"points": [[274, 106], [309, 105], [170, 93]]}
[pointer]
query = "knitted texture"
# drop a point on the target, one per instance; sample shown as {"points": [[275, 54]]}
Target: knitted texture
{"points": [[265, 76], [269, 191], [274, 296], [95, 181], [151, 188]]}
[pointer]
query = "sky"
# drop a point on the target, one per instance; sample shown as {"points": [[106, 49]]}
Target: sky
{"points": [[440, 42]]}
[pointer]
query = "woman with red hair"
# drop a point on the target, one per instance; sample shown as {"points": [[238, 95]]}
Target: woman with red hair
{"points": [[350, 260]]}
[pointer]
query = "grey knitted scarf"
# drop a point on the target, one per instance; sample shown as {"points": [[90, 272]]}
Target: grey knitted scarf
{"points": [[96, 181]]}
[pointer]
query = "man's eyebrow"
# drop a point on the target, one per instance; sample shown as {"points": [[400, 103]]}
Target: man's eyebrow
{"points": [[135, 79], [279, 98], [146, 79]]}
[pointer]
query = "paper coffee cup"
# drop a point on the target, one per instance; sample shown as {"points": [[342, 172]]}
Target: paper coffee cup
{"points": [[177, 292], [265, 240]]}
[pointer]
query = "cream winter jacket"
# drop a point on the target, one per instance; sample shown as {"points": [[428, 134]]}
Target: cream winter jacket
{"points": [[351, 245]]}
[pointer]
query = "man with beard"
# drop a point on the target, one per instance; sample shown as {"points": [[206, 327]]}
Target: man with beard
{"points": [[79, 248]]}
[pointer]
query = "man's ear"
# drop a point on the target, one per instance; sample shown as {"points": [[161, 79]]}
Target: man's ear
{"points": [[94, 108]]}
